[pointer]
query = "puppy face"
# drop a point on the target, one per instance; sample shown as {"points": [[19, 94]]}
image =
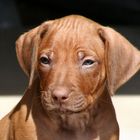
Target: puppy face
{"points": [[75, 59], [71, 67]]}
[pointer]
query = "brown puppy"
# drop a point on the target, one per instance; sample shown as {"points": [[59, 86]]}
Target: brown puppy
{"points": [[73, 65]]}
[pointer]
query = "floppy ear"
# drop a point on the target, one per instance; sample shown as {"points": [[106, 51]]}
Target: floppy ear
{"points": [[122, 59], [27, 50]]}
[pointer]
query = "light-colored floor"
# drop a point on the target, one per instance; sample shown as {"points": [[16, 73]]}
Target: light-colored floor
{"points": [[127, 110]]}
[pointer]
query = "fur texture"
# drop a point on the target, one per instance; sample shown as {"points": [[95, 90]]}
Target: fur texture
{"points": [[74, 64]]}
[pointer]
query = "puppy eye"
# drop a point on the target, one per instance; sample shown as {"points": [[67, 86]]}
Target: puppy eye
{"points": [[45, 60], [88, 62]]}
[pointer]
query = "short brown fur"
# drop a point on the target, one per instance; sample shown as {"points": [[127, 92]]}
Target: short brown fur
{"points": [[73, 65]]}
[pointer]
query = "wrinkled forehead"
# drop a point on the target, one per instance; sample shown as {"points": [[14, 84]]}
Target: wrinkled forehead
{"points": [[72, 34]]}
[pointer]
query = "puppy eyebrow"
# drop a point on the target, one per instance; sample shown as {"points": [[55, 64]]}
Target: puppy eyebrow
{"points": [[80, 55], [48, 52]]}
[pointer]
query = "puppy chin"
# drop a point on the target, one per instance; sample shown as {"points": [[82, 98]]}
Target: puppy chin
{"points": [[71, 120], [75, 121]]}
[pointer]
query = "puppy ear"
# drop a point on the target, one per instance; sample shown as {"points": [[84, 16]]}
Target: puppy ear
{"points": [[122, 59], [27, 50]]}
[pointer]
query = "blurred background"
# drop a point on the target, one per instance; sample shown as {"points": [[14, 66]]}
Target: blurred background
{"points": [[18, 16]]}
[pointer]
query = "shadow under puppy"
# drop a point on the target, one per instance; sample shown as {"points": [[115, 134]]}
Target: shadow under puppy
{"points": [[74, 64]]}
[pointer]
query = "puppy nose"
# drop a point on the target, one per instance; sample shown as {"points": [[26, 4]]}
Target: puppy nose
{"points": [[60, 94]]}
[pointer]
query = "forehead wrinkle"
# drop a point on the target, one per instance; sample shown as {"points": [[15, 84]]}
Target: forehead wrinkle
{"points": [[70, 44], [68, 33], [74, 36], [72, 23], [67, 23]]}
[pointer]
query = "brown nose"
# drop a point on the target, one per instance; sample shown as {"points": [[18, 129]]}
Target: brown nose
{"points": [[60, 94]]}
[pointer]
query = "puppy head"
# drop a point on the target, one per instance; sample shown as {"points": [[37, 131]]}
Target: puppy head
{"points": [[74, 58]]}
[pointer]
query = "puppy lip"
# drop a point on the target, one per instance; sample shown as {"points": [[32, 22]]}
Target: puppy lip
{"points": [[67, 111], [62, 109]]}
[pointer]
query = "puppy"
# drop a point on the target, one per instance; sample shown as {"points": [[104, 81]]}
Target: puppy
{"points": [[74, 65]]}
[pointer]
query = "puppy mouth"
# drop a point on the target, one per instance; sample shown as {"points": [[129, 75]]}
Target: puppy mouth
{"points": [[65, 109], [74, 104]]}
